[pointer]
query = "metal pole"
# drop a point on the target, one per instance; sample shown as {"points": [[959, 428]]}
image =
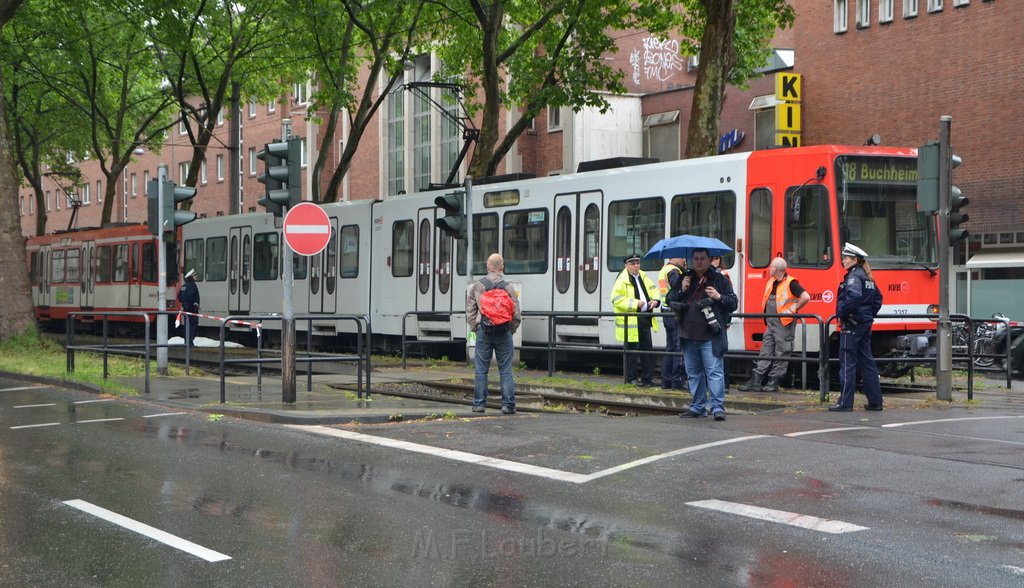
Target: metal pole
{"points": [[288, 322], [944, 364], [469, 255], [161, 287]]}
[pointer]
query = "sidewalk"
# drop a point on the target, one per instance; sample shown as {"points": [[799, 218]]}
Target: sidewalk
{"points": [[334, 400]]}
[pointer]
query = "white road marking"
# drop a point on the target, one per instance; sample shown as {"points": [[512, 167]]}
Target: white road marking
{"points": [[23, 388], [144, 529], [36, 425], [982, 418], [1013, 570], [778, 516], [462, 456], [819, 431], [92, 401], [35, 405], [162, 414], [683, 451], [504, 464], [99, 420]]}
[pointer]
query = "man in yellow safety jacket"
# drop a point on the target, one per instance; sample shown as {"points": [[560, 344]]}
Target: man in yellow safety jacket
{"points": [[633, 291]]}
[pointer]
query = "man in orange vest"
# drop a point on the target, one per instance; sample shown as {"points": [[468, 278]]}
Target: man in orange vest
{"points": [[783, 295]]}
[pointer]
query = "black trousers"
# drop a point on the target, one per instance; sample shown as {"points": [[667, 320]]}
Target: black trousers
{"points": [[646, 361]]}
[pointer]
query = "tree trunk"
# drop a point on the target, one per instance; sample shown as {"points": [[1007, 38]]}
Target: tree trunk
{"points": [[16, 302], [717, 57]]}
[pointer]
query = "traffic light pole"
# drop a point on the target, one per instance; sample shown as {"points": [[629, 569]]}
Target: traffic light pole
{"points": [[161, 285], [944, 366], [288, 322]]}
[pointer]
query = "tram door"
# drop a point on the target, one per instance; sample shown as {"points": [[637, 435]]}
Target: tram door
{"points": [[425, 240], [323, 275], [578, 261], [85, 272], [135, 276], [239, 269], [44, 276]]}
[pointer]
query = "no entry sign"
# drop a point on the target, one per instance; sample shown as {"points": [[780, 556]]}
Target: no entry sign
{"points": [[307, 228]]}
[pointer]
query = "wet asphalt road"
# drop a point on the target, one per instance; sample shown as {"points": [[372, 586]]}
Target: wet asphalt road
{"points": [[529, 500]]}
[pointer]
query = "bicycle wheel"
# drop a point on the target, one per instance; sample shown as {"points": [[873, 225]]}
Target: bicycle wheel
{"points": [[984, 352]]}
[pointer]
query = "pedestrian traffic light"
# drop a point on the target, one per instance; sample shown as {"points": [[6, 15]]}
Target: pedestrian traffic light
{"points": [[928, 177], [171, 194], [454, 221], [957, 202], [282, 176]]}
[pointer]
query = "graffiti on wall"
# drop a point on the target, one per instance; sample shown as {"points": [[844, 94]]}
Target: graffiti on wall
{"points": [[659, 61]]}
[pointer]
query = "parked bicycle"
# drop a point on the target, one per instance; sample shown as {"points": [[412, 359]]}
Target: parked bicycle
{"points": [[988, 340]]}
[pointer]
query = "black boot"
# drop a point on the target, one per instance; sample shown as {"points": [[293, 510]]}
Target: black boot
{"points": [[752, 385], [771, 386]]}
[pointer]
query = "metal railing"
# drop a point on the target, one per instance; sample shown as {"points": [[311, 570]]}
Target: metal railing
{"points": [[361, 358], [418, 313], [106, 348]]}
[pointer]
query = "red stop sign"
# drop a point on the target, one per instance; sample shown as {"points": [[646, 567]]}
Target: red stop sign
{"points": [[307, 228]]}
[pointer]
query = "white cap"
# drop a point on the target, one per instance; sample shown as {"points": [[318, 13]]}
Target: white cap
{"points": [[190, 273], [854, 251]]}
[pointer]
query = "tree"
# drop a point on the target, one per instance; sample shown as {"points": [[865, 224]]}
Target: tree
{"points": [[16, 303], [354, 44], [105, 72], [734, 41], [535, 55]]}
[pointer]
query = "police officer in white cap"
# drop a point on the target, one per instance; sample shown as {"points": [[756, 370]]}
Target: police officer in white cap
{"points": [[188, 297], [857, 304]]}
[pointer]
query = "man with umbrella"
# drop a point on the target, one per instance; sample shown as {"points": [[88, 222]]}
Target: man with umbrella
{"points": [[703, 316], [634, 292]]}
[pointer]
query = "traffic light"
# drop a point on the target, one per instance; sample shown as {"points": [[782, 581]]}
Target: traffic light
{"points": [[928, 177], [172, 194], [282, 176], [454, 221], [957, 202]]}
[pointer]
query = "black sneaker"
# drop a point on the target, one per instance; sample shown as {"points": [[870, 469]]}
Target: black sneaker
{"points": [[719, 416], [692, 414], [478, 409], [839, 408], [508, 410], [873, 407]]}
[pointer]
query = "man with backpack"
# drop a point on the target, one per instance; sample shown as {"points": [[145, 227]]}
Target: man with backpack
{"points": [[492, 311]]}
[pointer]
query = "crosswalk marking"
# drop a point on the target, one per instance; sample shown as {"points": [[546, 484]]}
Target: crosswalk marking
{"points": [[778, 516]]}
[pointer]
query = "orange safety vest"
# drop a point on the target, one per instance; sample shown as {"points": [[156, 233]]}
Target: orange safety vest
{"points": [[784, 302], [663, 285]]}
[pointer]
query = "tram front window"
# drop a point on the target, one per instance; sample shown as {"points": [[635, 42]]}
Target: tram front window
{"points": [[877, 204]]}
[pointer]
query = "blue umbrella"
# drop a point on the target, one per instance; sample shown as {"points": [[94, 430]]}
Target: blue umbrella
{"points": [[683, 246]]}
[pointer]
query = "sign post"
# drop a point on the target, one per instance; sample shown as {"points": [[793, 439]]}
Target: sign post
{"points": [[307, 229]]}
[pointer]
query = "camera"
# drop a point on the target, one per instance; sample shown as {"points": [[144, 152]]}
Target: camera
{"points": [[709, 315]]}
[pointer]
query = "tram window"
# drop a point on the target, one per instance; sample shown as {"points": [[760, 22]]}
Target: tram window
{"points": [[525, 241], [634, 226], [216, 259], [121, 263], [33, 269], [876, 199], [71, 265], [706, 214], [563, 249], [195, 257], [149, 262], [402, 241], [808, 232], [759, 228], [103, 263], [299, 266], [485, 242], [350, 251], [265, 253], [57, 266], [423, 275], [591, 247]]}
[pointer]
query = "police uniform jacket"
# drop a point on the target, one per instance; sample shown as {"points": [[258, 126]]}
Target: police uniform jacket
{"points": [[859, 299]]}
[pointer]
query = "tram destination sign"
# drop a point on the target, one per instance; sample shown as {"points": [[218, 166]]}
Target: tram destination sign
{"points": [[307, 229]]}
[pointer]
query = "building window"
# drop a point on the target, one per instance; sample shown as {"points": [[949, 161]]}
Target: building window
{"points": [[252, 109], [661, 136], [182, 129], [554, 118], [99, 190], [421, 136], [300, 93], [135, 185], [839, 18], [220, 168], [252, 161], [934, 5], [692, 62], [909, 8], [957, 3], [202, 171], [885, 10], [395, 154], [182, 173], [220, 117], [271, 106], [86, 193]]}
